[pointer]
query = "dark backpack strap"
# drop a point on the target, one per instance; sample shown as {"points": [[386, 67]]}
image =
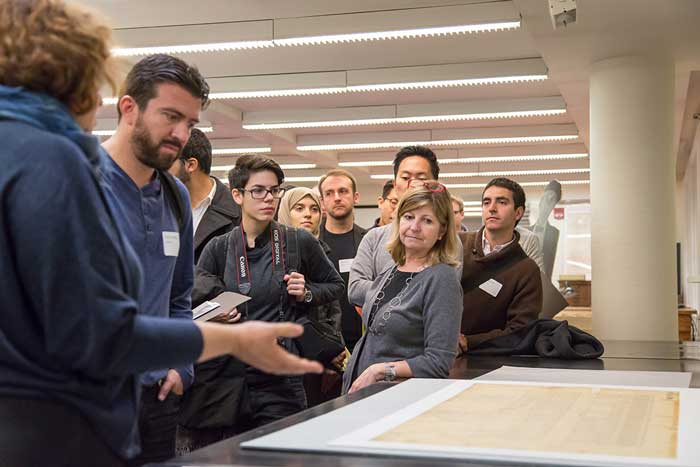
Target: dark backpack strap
{"points": [[292, 244], [172, 193]]}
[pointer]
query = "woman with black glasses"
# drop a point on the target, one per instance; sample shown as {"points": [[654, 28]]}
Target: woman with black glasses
{"points": [[413, 310], [282, 269]]}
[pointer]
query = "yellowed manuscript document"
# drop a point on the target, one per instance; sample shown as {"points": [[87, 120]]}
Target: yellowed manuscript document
{"points": [[582, 420]]}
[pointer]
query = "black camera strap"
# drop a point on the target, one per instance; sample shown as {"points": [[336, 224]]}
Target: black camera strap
{"points": [[279, 269]]}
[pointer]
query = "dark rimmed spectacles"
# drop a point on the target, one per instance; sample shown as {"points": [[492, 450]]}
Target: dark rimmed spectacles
{"points": [[261, 193], [432, 185]]}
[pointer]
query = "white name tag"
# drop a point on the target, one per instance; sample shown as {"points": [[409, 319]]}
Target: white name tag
{"points": [[345, 264], [491, 287], [171, 243]]}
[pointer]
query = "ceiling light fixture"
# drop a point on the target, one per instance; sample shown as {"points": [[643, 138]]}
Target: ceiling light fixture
{"points": [[316, 40], [501, 173], [449, 142], [302, 179], [190, 48], [399, 120], [203, 129], [523, 184], [376, 87], [474, 160], [230, 151], [221, 168], [399, 34]]}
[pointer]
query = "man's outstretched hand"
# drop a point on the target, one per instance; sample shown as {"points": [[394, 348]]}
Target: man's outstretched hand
{"points": [[255, 343]]}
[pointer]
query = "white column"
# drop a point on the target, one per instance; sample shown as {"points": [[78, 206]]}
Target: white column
{"points": [[632, 199]]}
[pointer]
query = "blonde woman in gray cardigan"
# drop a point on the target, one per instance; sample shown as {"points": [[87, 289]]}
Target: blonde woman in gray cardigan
{"points": [[412, 311]]}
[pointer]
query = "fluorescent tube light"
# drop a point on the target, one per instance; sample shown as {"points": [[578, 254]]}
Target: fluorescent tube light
{"points": [[302, 179], [450, 142], [399, 120], [220, 168], [523, 184], [501, 173], [203, 129], [399, 34], [474, 160], [315, 40], [473, 203], [190, 48], [376, 87], [229, 151]]}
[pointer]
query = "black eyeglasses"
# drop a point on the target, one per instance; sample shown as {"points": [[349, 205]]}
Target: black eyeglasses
{"points": [[431, 185], [261, 193]]}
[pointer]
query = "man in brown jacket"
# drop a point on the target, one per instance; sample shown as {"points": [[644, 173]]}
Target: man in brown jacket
{"points": [[502, 285]]}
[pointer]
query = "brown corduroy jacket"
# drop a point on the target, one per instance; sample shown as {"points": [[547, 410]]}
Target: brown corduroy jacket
{"points": [[517, 303]]}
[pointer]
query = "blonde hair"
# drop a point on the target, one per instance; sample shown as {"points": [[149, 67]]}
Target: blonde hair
{"points": [[61, 50], [446, 249], [292, 197], [458, 200]]}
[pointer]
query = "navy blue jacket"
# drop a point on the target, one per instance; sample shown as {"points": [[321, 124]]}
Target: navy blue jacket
{"points": [[144, 216], [69, 283]]}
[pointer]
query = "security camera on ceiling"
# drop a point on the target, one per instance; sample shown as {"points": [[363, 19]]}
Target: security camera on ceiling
{"points": [[562, 12]]}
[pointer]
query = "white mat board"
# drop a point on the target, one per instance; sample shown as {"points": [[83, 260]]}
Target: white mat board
{"points": [[661, 379], [350, 429]]}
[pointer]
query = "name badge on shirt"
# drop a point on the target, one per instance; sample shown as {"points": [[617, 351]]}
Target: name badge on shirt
{"points": [[491, 287], [344, 265], [171, 243]]}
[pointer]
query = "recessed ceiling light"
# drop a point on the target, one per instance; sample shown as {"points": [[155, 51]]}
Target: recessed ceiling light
{"points": [[400, 120], [474, 160], [220, 168], [524, 184], [302, 179], [229, 151], [315, 40], [399, 34], [501, 173], [450, 142], [203, 129], [375, 87]]}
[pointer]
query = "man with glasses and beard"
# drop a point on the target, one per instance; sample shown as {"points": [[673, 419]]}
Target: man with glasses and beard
{"points": [[158, 106]]}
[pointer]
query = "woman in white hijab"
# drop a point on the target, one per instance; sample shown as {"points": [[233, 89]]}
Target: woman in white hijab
{"points": [[301, 208]]}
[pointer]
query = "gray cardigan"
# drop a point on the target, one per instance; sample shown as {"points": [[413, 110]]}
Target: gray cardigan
{"points": [[372, 259], [423, 330]]}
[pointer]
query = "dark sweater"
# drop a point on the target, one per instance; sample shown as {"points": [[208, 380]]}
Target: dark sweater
{"points": [[70, 331], [517, 303]]}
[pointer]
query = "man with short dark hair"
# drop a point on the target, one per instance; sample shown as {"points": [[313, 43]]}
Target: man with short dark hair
{"points": [[159, 105], [386, 203], [501, 284], [410, 163], [213, 211], [338, 230]]}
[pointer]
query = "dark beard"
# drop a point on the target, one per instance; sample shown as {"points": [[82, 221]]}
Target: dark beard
{"points": [[182, 173], [339, 218], [147, 152]]}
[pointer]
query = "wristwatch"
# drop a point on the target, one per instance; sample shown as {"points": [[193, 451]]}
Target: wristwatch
{"points": [[389, 372], [308, 296]]}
